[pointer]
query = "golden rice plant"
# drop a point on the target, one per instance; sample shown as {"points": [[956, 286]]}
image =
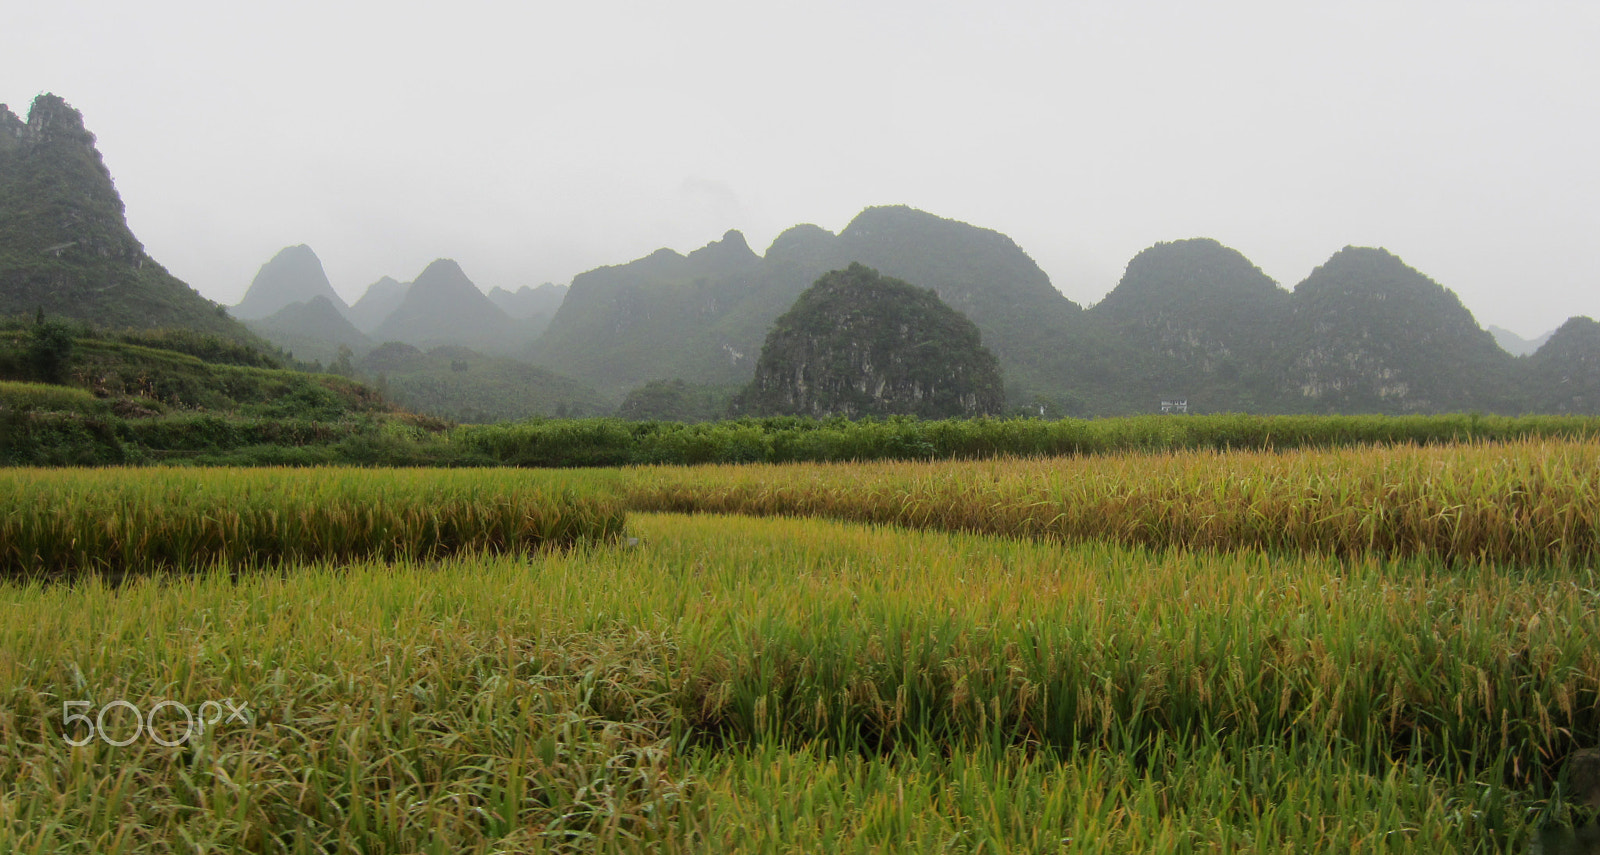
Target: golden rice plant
{"points": [[1525, 502], [61, 523]]}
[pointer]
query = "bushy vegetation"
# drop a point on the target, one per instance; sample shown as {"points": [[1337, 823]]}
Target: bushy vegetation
{"points": [[151, 396], [614, 442]]}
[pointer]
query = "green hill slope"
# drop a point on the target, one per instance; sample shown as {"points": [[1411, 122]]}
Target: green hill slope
{"points": [[1371, 334], [65, 247], [1198, 321], [312, 331], [132, 398], [1564, 373]]}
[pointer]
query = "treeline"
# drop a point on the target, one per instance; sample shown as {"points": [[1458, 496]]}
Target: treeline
{"points": [[613, 442], [53, 426]]}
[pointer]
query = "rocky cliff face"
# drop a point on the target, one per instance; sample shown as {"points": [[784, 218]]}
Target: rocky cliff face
{"points": [[1371, 334], [1565, 372], [860, 344], [65, 246]]}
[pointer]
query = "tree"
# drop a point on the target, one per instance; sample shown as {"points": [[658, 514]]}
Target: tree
{"points": [[50, 350]]}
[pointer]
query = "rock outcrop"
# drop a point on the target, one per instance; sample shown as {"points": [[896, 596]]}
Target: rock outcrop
{"points": [[65, 246], [860, 344]]}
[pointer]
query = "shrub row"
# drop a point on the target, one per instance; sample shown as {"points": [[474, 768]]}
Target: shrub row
{"points": [[614, 442]]}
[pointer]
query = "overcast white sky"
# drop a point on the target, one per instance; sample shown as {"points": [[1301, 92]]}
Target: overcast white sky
{"points": [[533, 141]]}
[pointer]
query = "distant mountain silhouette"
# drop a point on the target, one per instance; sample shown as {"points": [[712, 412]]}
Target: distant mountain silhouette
{"points": [[703, 317], [1515, 344], [312, 331], [65, 246], [377, 303], [443, 307], [533, 306], [525, 302], [294, 275], [1190, 318], [859, 344], [658, 317]]}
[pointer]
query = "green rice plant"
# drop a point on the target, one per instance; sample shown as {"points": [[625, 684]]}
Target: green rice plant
{"points": [[58, 524], [1223, 796]]}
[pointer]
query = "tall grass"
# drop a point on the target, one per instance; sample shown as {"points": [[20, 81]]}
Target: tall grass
{"points": [[1532, 502], [58, 523]]}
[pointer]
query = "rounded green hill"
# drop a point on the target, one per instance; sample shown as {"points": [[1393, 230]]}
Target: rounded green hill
{"points": [[860, 344]]}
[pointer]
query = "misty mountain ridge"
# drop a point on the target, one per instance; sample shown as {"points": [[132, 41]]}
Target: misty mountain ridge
{"points": [[444, 307], [294, 275], [1191, 319], [1363, 332], [312, 331], [525, 302], [533, 306], [1195, 318], [376, 304], [1565, 372], [1375, 335], [703, 316], [441, 307], [1515, 344]]}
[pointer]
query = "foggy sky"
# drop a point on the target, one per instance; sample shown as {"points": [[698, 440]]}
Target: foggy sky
{"points": [[533, 141]]}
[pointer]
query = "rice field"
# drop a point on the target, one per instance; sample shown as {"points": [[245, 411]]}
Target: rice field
{"points": [[822, 658], [1526, 502], [113, 522]]}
